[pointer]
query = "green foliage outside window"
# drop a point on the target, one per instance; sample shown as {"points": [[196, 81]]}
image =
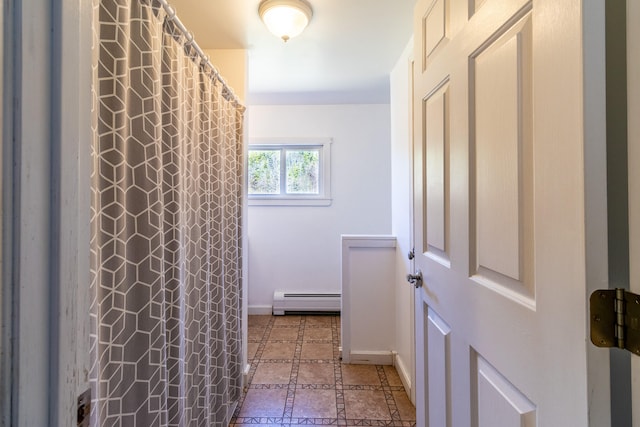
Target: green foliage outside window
{"points": [[264, 171], [302, 171], [301, 174]]}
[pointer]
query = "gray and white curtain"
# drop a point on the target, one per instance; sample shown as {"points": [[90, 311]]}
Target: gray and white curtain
{"points": [[166, 226]]}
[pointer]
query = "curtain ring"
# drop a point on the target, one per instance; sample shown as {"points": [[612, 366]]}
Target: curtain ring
{"points": [[206, 60], [189, 36], [170, 11]]}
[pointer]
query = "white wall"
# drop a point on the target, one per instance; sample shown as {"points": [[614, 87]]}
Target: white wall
{"points": [[368, 301], [232, 66], [401, 214], [298, 248]]}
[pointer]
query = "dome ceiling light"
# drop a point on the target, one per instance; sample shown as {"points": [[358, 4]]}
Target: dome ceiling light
{"points": [[285, 18]]}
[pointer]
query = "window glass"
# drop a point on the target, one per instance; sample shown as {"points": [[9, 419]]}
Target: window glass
{"points": [[302, 170], [264, 171], [289, 172]]}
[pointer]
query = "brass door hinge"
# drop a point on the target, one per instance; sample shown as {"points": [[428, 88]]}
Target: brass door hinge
{"points": [[615, 319]]}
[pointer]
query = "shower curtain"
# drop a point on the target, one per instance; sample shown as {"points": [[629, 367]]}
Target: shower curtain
{"points": [[166, 216]]}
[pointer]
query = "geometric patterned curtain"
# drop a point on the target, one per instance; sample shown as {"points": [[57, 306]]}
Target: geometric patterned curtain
{"points": [[166, 218]]}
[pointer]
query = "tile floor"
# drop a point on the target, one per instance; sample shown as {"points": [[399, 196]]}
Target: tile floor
{"points": [[297, 378]]}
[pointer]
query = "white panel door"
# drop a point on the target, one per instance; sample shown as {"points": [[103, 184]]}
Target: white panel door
{"points": [[633, 112], [499, 228]]}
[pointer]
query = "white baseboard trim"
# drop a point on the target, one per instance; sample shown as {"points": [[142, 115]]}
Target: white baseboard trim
{"points": [[245, 376], [371, 358], [260, 309], [403, 373]]}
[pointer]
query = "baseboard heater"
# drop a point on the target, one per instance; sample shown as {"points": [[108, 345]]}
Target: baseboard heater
{"points": [[305, 303]]}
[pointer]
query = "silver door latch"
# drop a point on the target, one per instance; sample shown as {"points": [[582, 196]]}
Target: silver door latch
{"points": [[415, 279]]}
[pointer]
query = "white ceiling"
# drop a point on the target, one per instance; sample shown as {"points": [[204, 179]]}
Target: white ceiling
{"points": [[344, 56]]}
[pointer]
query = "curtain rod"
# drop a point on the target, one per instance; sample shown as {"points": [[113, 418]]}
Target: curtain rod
{"points": [[172, 15]]}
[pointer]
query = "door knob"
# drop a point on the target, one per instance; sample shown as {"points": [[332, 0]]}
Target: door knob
{"points": [[415, 279]]}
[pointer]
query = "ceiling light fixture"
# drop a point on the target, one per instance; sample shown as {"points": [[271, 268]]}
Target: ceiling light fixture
{"points": [[285, 18]]}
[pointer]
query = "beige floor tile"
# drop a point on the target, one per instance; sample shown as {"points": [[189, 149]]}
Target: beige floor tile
{"points": [[315, 404], [360, 375], [316, 351], [259, 320], [392, 376], [272, 373], [318, 321], [316, 373], [264, 403], [317, 334], [252, 348], [366, 405], [254, 425], [405, 408], [286, 320], [255, 333], [283, 334], [273, 350]]}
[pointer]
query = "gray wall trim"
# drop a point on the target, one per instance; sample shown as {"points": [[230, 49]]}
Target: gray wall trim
{"points": [[70, 203], [31, 398], [6, 309], [617, 194], [595, 179]]}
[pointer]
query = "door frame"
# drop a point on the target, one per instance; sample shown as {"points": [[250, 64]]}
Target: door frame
{"points": [[596, 216], [45, 210], [6, 291], [26, 225], [633, 146], [412, 243]]}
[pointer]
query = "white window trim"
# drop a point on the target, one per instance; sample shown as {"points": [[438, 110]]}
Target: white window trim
{"points": [[321, 199]]}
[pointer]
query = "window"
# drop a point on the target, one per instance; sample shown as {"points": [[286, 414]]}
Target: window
{"points": [[292, 172]]}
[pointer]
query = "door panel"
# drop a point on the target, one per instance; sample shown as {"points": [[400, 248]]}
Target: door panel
{"points": [[434, 26], [439, 370], [499, 403], [437, 174], [500, 117], [499, 219]]}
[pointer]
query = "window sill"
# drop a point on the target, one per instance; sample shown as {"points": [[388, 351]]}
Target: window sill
{"points": [[289, 201]]}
